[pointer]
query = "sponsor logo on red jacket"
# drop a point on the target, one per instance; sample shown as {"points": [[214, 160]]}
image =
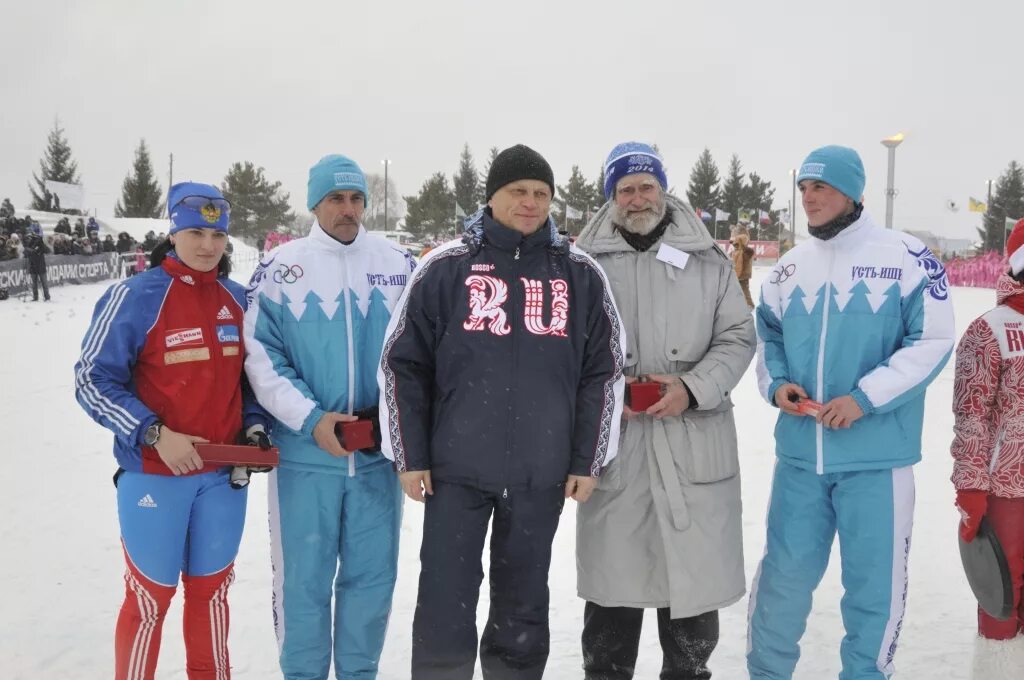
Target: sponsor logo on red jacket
{"points": [[187, 336]]}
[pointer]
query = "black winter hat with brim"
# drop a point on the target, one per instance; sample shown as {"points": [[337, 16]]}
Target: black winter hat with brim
{"points": [[516, 163]]}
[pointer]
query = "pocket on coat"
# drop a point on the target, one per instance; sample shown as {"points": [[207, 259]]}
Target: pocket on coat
{"points": [[704, 445], [615, 475], [688, 327]]}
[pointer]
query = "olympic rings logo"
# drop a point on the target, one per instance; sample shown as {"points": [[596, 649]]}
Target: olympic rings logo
{"points": [[286, 274], [781, 274]]}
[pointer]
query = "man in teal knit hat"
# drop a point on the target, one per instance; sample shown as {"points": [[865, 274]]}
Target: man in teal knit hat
{"points": [[319, 307], [853, 324]]}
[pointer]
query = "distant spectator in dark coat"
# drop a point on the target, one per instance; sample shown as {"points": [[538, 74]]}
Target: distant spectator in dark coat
{"points": [[125, 243], [35, 253]]}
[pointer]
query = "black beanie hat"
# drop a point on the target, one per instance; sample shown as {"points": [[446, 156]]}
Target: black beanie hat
{"points": [[516, 163]]}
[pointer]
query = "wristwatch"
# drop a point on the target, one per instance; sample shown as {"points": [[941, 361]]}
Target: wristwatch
{"points": [[152, 434]]}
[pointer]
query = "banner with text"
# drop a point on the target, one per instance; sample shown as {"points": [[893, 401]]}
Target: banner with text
{"points": [[60, 269], [768, 250]]}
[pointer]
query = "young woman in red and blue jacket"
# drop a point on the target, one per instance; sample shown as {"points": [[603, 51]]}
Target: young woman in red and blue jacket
{"points": [[161, 367]]}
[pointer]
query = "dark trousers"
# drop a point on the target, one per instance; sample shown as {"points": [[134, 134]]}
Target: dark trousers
{"points": [[38, 277], [611, 638], [516, 638]]}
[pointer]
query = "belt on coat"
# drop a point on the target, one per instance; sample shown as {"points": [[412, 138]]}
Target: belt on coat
{"points": [[669, 477]]}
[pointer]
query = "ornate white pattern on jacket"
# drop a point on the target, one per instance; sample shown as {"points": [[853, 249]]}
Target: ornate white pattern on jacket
{"points": [[608, 434], [988, 401], [487, 296]]}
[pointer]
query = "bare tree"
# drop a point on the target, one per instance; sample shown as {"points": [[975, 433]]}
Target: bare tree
{"points": [[373, 218]]}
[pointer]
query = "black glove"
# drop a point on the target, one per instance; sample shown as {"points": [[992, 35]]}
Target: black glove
{"points": [[371, 413], [256, 435]]}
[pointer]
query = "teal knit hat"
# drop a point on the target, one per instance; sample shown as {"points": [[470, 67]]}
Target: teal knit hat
{"points": [[839, 167], [334, 173]]}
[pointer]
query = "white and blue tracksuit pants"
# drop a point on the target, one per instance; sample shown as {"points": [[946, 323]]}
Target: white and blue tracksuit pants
{"points": [[333, 535], [872, 511]]}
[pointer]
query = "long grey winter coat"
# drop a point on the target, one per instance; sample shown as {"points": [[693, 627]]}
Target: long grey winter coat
{"points": [[663, 527]]}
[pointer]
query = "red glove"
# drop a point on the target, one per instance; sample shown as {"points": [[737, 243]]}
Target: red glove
{"points": [[972, 505]]}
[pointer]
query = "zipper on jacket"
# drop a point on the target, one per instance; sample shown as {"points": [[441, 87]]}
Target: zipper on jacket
{"points": [[516, 310], [351, 360], [819, 429]]}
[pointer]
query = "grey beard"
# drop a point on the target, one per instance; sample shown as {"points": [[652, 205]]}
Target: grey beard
{"points": [[640, 223]]}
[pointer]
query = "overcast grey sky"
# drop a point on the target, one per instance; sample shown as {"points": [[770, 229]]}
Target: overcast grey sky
{"points": [[284, 83]]}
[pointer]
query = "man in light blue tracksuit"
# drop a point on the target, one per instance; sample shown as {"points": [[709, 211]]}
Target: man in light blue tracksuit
{"points": [[318, 309], [859, 319]]}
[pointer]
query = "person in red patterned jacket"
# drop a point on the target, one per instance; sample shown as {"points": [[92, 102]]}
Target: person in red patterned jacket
{"points": [[988, 450], [161, 367]]}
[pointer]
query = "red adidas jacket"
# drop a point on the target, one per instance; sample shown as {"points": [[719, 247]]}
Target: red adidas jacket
{"points": [[166, 344]]}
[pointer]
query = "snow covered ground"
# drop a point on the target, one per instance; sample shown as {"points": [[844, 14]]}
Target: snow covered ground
{"points": [[61, 567]]}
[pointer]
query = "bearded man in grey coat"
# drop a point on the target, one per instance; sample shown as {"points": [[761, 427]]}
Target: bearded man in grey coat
{"points": [[663, 529]]}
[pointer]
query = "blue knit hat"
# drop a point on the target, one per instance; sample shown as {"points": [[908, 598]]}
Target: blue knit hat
{"points": [[839, 167], [334, 173], [194, 205], [631, 158]]}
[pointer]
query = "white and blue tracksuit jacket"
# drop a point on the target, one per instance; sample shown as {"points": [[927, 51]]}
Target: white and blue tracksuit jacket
{"points": [[867, 314], [318, 310]]}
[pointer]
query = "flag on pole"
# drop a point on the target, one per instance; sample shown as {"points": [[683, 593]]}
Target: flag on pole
{"points": [[572, 213], [69, 196], [704, 215], [764, 217], [784, 215], [721, 215], [974, 205], [746, 215], [459, 212], [1010, 223]]}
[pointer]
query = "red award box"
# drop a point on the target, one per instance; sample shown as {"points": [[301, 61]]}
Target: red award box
{"points": [[234, 454], [355, 435], [643, 395], [809, 407]]}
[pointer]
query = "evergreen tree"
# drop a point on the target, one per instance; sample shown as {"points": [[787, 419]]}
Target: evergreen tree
{"points": [[258, 206], [140, 192], [431, 214], [468, 193], [577, 193], [732, 195], [759, 197], [373, 216], [598, 199], [1007, 203], [491, 155], [703, 191], [55, 165]]}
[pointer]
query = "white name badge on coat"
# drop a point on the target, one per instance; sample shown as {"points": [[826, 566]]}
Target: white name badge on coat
{"points": [[673, 256]]}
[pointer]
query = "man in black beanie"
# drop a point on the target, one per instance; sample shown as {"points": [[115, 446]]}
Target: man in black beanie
{"points": [[501, 395]]}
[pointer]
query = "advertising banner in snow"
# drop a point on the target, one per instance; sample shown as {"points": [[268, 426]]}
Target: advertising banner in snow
{"points": [[60, 269], [764, 250]]}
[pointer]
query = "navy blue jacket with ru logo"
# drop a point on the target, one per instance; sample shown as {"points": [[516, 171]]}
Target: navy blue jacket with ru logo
{"points": [[502, 367]]}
